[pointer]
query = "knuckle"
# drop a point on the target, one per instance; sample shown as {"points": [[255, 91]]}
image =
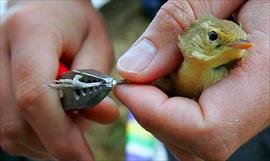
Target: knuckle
{"points": [[18, 18], [28, 94], [26, 21], [176, 13], [27, 91]]}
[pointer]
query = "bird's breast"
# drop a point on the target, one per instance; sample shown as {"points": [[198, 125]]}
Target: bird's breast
{"points": [[191, 79]]}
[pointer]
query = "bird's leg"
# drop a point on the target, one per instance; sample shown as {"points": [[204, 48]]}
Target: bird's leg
{"points": [[67, 83], [74, 83], [64, 81]]}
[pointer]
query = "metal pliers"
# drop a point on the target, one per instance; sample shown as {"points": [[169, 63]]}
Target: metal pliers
{"points": [[80, 89]]}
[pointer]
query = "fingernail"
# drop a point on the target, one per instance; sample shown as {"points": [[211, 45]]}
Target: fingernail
{"points": [[138, 57]]}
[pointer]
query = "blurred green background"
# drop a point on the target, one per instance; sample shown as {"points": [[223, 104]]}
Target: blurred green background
{"points": [[125, 22]]}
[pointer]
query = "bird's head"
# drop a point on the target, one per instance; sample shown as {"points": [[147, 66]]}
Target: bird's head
{"points": [[211, 36]]}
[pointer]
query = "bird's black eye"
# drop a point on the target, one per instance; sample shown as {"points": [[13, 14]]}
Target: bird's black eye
{"points": [[213, 36]]}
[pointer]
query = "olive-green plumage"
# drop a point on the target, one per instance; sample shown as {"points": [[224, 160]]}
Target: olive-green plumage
{"points": [[209, 46]]}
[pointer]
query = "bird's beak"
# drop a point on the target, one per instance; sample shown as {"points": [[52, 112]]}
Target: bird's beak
{"points": [[241, 44]]}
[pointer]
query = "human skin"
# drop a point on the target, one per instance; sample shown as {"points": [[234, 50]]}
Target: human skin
{"points": [[228, 113], [35, 35]]}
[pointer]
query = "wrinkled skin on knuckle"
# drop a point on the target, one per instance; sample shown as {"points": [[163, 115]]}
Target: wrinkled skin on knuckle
{"points": [[177, 14], [28, 94]]}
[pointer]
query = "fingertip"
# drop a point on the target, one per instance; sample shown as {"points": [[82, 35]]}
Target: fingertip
{"points": [[133, 63], [105, 112]]}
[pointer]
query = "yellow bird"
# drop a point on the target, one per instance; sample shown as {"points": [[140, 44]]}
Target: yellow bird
{"points": [[210, 47]]}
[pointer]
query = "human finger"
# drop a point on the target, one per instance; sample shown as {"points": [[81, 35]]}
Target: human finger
{"points": [[177, 120], [105, 112], [96, 51], [34, 63], [158, 113], [13, 126]]}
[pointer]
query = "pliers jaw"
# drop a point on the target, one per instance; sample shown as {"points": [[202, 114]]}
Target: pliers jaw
{"points": [[83, 88]]}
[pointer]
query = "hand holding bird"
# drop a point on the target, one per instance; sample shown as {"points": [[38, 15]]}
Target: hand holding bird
{"points": [[228, 113], [210, 47]]}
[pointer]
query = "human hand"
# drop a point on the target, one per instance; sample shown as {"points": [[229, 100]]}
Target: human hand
{"points": [[227, 114], [35, 35]]}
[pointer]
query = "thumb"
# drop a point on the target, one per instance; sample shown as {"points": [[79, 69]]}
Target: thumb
{"points": [[155, 53]]}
